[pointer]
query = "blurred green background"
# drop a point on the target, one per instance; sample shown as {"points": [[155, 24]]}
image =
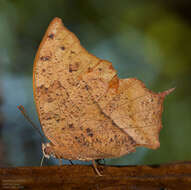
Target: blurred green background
{"points": [[149, 40]]}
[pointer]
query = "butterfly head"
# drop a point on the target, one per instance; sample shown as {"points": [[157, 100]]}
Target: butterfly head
{"points": [[48, 150]]}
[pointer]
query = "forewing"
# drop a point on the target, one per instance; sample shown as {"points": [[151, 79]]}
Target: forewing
{"points": [[70, 117]]}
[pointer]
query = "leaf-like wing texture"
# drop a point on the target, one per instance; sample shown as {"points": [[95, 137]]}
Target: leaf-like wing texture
{"points": [[67, 106], [128, 103]]}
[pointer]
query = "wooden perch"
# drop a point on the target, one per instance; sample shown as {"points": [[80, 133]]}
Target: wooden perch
{"points": [[153, 177]]}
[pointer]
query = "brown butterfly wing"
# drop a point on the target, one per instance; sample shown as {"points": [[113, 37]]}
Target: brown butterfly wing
{"points": [[70, 116], [128, 103]]}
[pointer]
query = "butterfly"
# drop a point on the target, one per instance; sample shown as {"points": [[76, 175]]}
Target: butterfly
{"points": [[85, 110]]}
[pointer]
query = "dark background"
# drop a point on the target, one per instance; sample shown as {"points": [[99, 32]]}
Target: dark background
{"points": [[149, 40]]}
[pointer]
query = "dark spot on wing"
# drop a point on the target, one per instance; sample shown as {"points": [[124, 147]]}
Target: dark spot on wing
{"points": [[50, 100], [88, 130], [62, 48], [51, 36], [45, 58], [57, 120], [89, 69], [73, 67], [86, 87], [90, 134], [113, 123], [71, 126]]}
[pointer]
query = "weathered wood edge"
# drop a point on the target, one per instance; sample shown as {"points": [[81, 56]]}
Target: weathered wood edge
{"points": [[160, 177]]}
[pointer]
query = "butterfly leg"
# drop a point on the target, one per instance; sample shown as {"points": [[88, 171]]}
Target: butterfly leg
{"points": [[60, 162], [71, 162], [41, 162], [99, 161], [95, 168]]}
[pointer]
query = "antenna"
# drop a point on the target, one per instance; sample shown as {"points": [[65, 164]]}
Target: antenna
{"points": [[23, 111]]}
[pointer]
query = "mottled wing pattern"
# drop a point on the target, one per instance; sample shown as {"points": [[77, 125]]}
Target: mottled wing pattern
{"points": [[68, 108], [128, 103]]}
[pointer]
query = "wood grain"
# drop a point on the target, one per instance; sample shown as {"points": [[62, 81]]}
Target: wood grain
{"points": [[154, 177]]}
